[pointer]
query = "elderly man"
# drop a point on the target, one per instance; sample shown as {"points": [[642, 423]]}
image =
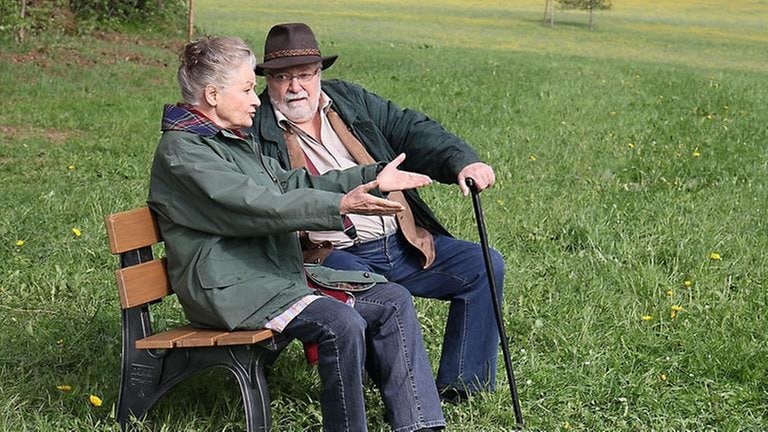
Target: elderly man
{"points": [[324, 125]]}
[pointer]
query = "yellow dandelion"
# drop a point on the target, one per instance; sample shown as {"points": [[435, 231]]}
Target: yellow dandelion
{"points": [[631, 145], [714, 256], [674, 310], [567, 426], [613, 113], [20, 243], [669, 292], [710, 116], [696, 153], [77, 232], [646, 318], [64, 387], [95, 400], [71, 167], [687, 283], [532, 157], [663, 377]]}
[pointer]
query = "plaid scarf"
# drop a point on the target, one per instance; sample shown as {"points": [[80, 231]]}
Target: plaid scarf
{"points": [[185, 118]]}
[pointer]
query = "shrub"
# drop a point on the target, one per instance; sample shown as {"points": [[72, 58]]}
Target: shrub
{"points": [[19, 18]]}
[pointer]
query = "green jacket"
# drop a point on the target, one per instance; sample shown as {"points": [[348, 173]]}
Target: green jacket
{"points": [[386, 130], [228, 217]]}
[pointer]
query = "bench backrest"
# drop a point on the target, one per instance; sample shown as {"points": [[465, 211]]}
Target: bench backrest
{"points": [[147, 280]]}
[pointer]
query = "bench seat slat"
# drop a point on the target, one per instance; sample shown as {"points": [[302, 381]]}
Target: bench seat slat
{"points": [[166, 339], [189, 337], [245, 337], [201, 338]]}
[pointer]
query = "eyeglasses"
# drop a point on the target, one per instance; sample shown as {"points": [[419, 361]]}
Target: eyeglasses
{"points": [[303, 78]]}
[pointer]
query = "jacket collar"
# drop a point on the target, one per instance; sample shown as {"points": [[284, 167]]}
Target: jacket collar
{"points": [[268, 129], [181, 117], [343, 105]]}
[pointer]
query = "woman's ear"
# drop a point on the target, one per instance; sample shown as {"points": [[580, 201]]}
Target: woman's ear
{"points": [[211, 95]]}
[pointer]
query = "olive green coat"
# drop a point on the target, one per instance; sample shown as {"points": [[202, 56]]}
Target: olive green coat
{"points": [[228, 216]]}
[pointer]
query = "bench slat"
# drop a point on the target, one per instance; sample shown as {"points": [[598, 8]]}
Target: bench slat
{"points": [[166, 339], [142, 283], [201, 338], [131, 230], [190, 337], [245, 337]]}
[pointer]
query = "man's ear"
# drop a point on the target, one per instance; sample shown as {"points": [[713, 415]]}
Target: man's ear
{"points": [[211, 94]]}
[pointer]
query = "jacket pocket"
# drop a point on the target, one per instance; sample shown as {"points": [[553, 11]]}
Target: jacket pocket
{"points": [[242, 294], [221, 273]]}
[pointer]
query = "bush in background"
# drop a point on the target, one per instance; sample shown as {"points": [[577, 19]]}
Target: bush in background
{"points": [[22, 18]]}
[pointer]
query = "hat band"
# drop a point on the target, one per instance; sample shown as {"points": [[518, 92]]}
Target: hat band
{"points": [[292, 53]]}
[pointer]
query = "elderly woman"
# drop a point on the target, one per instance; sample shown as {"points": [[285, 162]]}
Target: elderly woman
{"points": [[229, 218]]}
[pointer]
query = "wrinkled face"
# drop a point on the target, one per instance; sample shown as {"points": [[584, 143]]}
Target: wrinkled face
{"points": [[234, 105], [295, 91]]}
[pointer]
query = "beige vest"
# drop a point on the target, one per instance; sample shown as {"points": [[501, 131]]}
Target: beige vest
{"points": [[417, 236]]}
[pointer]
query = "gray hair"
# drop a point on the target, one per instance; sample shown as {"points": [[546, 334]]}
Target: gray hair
{"points": [[210, 61]]}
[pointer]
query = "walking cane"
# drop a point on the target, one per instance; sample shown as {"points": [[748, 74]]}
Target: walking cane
{"points": [[496, 305]]}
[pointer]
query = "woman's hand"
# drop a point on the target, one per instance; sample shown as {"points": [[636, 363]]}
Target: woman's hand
{"points": [[392, 179], [359, 201]]}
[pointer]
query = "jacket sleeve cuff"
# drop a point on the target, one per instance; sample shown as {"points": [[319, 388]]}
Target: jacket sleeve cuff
{"points": [[370, 172]]}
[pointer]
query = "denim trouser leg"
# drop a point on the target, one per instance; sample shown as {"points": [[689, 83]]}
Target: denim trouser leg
{"points": [[397, 360], [383, 321], [339, 332], [471, 340]]}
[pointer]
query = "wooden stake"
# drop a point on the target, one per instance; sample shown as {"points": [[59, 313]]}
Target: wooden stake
{"points": [[191, 21], [23, 14]]}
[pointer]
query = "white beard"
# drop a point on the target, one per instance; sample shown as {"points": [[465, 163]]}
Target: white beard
{"points": [[297, 112]]}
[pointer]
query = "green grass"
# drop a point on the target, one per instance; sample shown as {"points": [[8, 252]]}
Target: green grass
{"points": [[624, 156]]}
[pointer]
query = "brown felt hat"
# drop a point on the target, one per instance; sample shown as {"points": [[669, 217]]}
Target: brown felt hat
{"points": [[291, 44]]}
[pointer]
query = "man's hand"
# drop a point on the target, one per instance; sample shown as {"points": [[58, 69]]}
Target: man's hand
{"points": [[392, 179], [359, 201], [481, 173]]}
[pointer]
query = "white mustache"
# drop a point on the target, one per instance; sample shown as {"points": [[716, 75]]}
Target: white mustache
{"points": [[294, 96]]}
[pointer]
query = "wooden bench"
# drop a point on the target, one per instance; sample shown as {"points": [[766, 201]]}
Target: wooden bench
{"points": [[154, 362]]}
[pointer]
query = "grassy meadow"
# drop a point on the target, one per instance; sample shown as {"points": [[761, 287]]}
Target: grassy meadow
{"points": [[630, 206]]}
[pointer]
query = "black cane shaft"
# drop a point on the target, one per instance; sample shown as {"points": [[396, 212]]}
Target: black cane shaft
{"points": [[496, 306]]}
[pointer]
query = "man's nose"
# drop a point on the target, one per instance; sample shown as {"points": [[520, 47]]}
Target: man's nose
{"points": [[294, 86]]}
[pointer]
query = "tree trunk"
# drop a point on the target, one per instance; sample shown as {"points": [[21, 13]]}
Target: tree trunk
{"points": [[191, 21], [591, 16], [552, 14], [549, 12], [22, 14]]}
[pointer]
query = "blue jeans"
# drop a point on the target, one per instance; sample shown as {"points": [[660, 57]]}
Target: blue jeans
{"points": [[381, 334], [471, 340]]}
